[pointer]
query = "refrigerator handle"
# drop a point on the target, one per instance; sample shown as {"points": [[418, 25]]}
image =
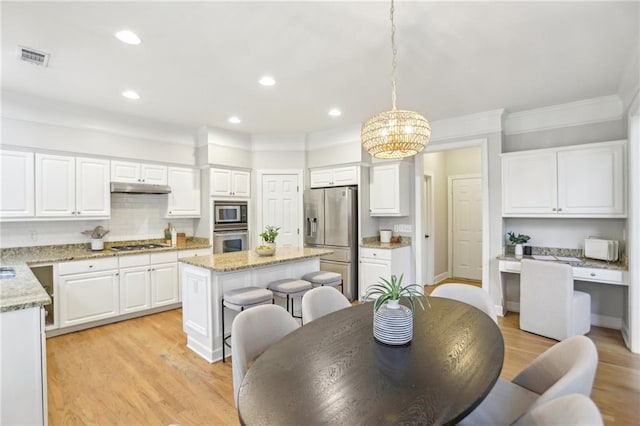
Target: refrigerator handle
{"points": [[314, 226], [307, 228]]}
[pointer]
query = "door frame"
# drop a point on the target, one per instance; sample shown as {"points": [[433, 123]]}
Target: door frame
{"points": [[450, 180], [428, 223], [258, 217], [421, 248]]}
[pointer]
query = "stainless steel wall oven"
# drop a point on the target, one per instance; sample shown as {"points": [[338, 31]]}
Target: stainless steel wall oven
{"points": [[230, 224]]}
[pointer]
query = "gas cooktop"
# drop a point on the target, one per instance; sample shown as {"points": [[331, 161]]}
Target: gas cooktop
{"points": [[133, 247]]}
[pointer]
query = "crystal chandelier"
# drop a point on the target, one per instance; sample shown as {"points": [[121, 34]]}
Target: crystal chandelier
{"points": [[396, 133]]}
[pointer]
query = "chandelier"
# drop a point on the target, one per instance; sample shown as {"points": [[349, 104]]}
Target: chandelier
{"points": [[396, 133]]}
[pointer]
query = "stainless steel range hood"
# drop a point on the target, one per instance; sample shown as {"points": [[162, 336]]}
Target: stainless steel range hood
{"points": [[139, 188]]}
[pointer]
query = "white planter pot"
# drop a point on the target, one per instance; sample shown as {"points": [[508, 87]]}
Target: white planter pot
{"points": [[518, 250], [393, 324]]}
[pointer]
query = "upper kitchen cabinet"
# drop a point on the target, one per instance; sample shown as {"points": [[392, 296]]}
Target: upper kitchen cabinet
{"points": [[575, 181], [72, 187], [17, 183], [341, 176], [184, 199], [388, 189], [226, 182], [129, 172]]}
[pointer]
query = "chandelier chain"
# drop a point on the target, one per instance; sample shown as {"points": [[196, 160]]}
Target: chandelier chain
{"points": [[394, 61]]}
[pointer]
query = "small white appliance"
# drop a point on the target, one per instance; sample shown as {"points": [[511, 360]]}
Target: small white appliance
{"points": [[595, 248]]}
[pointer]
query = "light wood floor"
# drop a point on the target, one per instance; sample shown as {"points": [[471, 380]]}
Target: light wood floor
{"points": [[139, 372]]}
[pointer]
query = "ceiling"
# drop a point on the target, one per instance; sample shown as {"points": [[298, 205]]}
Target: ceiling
{"points": [[199, 62]]}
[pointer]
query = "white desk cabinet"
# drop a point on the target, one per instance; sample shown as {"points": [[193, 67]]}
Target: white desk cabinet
{"points": [[130, 172], [576, 181], [389, 190], [339, 176], [382, 263], [16, 184], [226, 182], [184, 199]]}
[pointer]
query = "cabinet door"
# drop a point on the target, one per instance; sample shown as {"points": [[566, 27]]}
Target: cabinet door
{"points": [[389, 190], [184, 199], [220, 182], [93, 195], [16, 184], [370, 272], [591, 181], [345, 176], [135, 289], [125, 171], [88, 297], [55, 185], [529, 184], [164, 284], [154, 174], [320, 178], [240, 183]]}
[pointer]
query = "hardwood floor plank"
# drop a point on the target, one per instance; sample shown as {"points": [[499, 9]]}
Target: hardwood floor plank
{"points": [[140, 372]]}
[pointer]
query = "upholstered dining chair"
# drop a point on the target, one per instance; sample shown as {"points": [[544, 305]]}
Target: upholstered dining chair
{"points": [[321, 301], [565, 368], [548, 304], [252, 332], [574, 409], [469, 294]]}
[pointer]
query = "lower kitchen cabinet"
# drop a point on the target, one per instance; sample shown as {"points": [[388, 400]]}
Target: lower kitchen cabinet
{"points": [[88, 297], [23, 388], [164, 284], [382, 263], [135, 289]]}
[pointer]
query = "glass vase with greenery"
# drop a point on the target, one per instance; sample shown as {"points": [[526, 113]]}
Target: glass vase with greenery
{"points": [[270, 233]]}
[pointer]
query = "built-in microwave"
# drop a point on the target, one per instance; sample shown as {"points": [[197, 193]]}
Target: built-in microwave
{"points": [[229, 215]]}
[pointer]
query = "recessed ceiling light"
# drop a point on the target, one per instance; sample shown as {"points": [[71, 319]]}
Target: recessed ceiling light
{"points": [[130, 94], [267, 81], [335, 112], [128, 37], [235, 120]]}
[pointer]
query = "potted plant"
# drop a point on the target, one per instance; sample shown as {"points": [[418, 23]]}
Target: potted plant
{"points": [[393, 322], [268, 246], [518, 240]]}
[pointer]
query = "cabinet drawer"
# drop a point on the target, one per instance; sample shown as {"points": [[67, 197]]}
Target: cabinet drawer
{"points": [[194, 252], [509, 266], [595, 274], [90, 265], [135, 260], [371, 253], [164, 257]]}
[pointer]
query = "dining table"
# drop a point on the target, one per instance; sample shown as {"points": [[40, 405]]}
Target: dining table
{"points": [[332, 371]]}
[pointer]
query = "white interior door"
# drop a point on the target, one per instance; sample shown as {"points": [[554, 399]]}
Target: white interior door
{"points": [[280, 206], [466, 221]]}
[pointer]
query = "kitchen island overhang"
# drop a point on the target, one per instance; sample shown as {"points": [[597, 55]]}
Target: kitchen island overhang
{"points": [[206, 278]]}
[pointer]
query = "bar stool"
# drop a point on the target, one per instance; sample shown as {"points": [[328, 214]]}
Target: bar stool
{"points": [[239, 300], [324, 278], [290, 288]]}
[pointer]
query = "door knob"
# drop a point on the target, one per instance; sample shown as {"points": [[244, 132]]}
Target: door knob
{"points": [[426, 235]]}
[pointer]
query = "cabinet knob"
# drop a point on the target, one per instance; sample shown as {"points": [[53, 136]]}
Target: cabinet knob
{"points": [[90, 266], [553, 209], [593, 274], [374, 254], [559, 210]]}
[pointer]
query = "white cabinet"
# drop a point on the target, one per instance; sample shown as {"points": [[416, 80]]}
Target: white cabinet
{"points": [[226, 182], [184, 199], [577, 181], [130, 172], [135, 288], [16, 184], [390, 189], [71, 187], [23, 388], [88, 296], [382, 263], [340, 176]]}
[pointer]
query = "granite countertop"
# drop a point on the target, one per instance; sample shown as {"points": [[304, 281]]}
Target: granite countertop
{"points": [[241, 260], [374, 242], [25, 291], [584, 262]]}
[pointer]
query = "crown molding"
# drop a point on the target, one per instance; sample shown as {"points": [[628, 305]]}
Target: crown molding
{"points": [[284, 142], [327, 138], [467, 125], [595, 110]]}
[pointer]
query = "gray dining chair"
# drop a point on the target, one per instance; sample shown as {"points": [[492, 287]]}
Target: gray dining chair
{"points": [[565, 368], [574, 409], [252, 332], [469, 294], [321, 301]]}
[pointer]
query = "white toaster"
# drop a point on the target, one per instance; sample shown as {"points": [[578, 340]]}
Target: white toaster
{"points": [[595, 248]]}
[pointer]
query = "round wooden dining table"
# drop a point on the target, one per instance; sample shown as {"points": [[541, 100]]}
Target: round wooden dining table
{"points": [[331, 371]]}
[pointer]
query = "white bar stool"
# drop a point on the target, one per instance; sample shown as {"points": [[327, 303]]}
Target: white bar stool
{"points": [[324, 278], [290, 288], [239, 300]]}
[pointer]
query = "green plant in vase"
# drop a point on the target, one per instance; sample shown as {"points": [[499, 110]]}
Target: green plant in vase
{"points": [[392, 289], [518, 240], [269, 240]]}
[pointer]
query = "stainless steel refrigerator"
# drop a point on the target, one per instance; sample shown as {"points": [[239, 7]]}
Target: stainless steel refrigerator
{"points": [[331, 221]]}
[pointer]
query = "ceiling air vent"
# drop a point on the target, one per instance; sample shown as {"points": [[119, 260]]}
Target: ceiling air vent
{"points": [[33, 56]]}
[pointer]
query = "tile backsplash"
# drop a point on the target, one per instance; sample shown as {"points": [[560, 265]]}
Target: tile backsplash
{"points": [[133, 216]]}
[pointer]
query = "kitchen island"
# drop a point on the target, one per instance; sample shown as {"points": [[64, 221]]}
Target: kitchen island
{"points": [[206, 278]]}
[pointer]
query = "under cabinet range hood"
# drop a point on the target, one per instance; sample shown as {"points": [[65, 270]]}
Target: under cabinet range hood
{"points": [[139, 188]]}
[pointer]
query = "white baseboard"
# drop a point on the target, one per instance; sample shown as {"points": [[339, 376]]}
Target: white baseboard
{"points": [[606, 321], [625, 335], [513, 306], [500, 311], [441, 277]]}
